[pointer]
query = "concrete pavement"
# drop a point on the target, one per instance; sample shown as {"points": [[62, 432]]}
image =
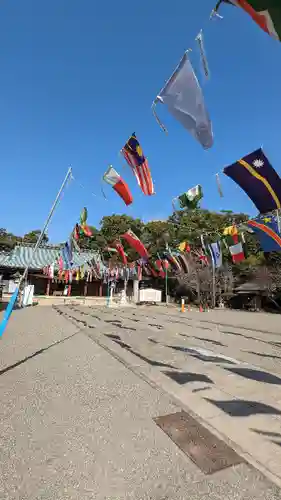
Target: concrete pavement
{"points": [[229, 376], [77, 408]]}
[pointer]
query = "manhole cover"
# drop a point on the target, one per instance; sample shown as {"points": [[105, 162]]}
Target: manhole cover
{"points": [[208, 452]]}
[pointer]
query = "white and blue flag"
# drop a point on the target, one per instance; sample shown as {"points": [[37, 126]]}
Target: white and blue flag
{"points": [[216, 254]]}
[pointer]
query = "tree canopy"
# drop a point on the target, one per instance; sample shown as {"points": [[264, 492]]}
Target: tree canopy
{"points": [[156, 234]]}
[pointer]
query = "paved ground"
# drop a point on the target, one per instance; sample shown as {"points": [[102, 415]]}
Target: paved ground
{"points": [[80, 387]]}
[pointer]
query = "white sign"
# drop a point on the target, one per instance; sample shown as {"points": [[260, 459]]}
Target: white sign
{"points": [[150, 295], [28, 292], [12, 286]]}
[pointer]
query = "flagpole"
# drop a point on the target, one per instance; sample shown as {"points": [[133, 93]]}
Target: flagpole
{"points": [[46, 225], [14, 297], [166, 286], [213, 281]]}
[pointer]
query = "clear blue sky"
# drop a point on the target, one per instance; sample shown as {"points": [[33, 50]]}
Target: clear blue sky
{"points": [[78, 77]]}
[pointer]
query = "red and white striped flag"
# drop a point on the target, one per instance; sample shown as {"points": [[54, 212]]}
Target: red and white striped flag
{"points": [[134, 156]]}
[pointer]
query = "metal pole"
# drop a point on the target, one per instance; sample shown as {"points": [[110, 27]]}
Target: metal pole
{"points": [[14, 297], [108, 294], [39, 241], [214, 287], [213, 282], [166, 285]]}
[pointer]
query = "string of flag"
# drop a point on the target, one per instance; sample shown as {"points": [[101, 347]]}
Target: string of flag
{"points": [[184, 99]]}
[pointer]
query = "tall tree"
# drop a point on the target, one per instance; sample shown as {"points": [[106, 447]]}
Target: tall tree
{"points": [[33, 236], [7, 240], [112, 226]]}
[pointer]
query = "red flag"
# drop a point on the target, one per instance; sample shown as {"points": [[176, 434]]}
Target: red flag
{"points": [[76, 232], [159, 266], [266, 16], [86, 230], [152, 270], [120, 250], [119, 185], [165, 264], [135, 243], [237, 253]]}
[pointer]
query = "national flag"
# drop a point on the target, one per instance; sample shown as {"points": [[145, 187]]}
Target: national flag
{"points": [[237, 253], [159, 266], [216, 254], [147, 269], [135, 243], [119, 247], [84, 216], [134, 156], [184, 247], [87, 231], [203, 243], [266, 13], [191, 198], [266, 229], [165, 264], [232, 232], [184, 98], [173, 261], [70, 249], [84, 228], [66, 255], [60, 263], [199, 253], [139, 272], [256, 176], [184, 262], [76, 232], [119, 185], [153, 268]]}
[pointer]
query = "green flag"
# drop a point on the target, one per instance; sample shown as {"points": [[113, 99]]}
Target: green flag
{"points": [[191, 198]]}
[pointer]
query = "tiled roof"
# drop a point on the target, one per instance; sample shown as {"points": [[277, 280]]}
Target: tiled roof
{"points": [[21, 256]]}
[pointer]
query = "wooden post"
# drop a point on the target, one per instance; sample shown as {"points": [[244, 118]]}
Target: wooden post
{"points": [[100, 289], [48, 286], [85, 289]]}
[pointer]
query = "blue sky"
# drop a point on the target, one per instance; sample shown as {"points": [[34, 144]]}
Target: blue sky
{"points": [[78, 77]]}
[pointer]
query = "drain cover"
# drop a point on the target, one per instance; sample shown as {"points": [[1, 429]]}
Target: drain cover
{"points": [[208, 452]]}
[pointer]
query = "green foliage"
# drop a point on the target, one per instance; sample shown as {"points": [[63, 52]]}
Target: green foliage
{"points": [[112, 226], [191, 225], [179, 226], [33, 236], [156, 234], [96, 242], [7, 240]]}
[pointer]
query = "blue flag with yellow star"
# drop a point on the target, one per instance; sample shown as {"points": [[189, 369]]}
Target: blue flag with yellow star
{"points": [[256, 176], [266, 229]]}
